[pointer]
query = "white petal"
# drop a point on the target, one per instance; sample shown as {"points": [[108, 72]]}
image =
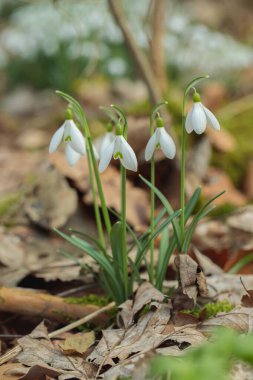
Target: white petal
{"points": [[107, 139], [129, 160], [77, 140], [56, 139], [71, 155], [188, 125], [198, 118], [167, 144], [117, 145], [106, 156], [211, 119], [150, 148]]}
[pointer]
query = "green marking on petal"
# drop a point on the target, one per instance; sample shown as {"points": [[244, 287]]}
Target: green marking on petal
{"points": [[67, 138], [118, 155], [158, 146]]}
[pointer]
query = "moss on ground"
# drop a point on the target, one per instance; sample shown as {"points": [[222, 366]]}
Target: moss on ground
{"points": [[91, 299], [210, 309], [7, 202]]}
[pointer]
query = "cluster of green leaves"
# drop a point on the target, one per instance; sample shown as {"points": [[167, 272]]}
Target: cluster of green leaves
{"points": [[115, 259], [168, 243], [207, 362]]}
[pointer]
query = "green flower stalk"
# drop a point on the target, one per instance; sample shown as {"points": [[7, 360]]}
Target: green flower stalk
{"points": [[196, 120], [79, 113], [159, 139]]}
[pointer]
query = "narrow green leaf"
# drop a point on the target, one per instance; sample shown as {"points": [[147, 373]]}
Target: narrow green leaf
{"points": [[168, 207], [192, 203], [86, 247], [141, 253], [164, 243], [117, 250], [200, 214], [91, 238], [241, 263], [164, 263]]}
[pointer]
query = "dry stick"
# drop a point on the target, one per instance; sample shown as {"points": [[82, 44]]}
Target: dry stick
{"points": [[157, 48], [26, 302], [139, 58], [17, 349], [137, 54]]}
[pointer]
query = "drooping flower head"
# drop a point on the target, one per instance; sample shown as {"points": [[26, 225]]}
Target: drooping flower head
{"points": [[107, 138], [118, 149], [160, 140], [198, 117], [71, 135]]}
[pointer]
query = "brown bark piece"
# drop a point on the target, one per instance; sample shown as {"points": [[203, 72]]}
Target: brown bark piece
{"points": [[27, 302]]}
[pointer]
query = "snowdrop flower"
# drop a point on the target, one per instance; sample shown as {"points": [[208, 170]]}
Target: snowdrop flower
{"points": [[75, 141], [198, 117], [118, 149], [107, 138], [160, 140]]}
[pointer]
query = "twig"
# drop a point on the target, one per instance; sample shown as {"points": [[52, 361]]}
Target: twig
{"points": [[157, 49], [137, 54], [17, 349], [27, 302]]}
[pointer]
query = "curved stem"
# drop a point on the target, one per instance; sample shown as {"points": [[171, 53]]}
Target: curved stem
{"points": [[95, 202], [190, 85], [182, 187], [152, 193], [152, 219], [123, 206], [123, 220], [83, 122], [100, 189]]}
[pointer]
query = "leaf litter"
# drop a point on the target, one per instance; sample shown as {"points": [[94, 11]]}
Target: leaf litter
{"points": [[145, 327]]}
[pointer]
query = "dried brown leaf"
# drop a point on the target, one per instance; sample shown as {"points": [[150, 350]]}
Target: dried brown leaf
{"points": [[192, 283], [239, 319], [46, 205], [78, 343], [38, 350], [145, 294]]}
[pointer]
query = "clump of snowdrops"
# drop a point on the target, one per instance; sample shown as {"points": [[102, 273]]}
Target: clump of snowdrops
{"points": [[119, 272]]}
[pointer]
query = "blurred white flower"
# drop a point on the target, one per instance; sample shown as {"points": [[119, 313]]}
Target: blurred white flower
{"points": [[107, 140], [198, 117], [71, 135], [160, 140], [118, 149]]}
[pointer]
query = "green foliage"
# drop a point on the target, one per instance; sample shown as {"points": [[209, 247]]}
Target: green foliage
{"points": [[207, 362]]}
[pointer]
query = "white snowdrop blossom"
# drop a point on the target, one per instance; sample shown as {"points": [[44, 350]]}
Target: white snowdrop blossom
{"points": [[107, 140], [198, 117], [118, 149], [160, 140], [75, 141]]}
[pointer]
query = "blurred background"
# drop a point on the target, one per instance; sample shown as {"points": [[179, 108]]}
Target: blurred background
{"points": [[133, 54]]}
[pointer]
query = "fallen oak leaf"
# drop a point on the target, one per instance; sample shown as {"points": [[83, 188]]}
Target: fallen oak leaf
{"points": [[78, 343], [38, 350], [129, 310], [40, 373], [239, 319]]}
